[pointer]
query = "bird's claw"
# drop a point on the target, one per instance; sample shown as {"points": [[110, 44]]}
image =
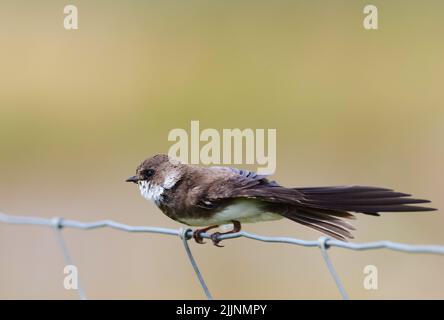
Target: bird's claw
{"points": [[197, 236], [215, 238]]}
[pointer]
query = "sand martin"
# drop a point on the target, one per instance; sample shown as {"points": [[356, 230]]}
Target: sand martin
{"points": [[212, 196]]}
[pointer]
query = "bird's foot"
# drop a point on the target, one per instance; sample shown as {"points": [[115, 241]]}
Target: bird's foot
{"points": [[215, 236], [197, 234]]}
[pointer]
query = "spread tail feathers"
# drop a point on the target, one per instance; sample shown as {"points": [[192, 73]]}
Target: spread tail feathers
{"points": [[322, 207]]}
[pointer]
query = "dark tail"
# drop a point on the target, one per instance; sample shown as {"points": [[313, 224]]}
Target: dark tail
{"points": [[323, 207]]}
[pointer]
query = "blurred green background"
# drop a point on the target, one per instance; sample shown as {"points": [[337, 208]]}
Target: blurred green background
{"points": [[80, 109]]}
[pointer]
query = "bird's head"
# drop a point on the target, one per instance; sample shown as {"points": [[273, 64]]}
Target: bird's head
{"points": [[156, 174]]}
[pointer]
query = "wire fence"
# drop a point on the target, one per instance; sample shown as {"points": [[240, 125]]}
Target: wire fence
{"points": [[185, 234]]}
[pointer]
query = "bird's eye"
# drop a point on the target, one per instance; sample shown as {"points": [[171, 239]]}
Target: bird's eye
{"points": [[147, 173]]}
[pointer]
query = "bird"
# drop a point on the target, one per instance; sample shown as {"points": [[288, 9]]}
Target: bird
{"points": [[208, 197]]}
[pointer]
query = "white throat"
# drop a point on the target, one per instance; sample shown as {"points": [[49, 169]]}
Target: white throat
{"points": [[153, 192]]}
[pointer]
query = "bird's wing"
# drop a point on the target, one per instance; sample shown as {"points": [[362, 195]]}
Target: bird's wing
{"points": [[235, 183], [239, 183]]}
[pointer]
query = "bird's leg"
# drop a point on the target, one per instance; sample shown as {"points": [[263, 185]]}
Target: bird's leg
{"points": [[215, 236], [197, 234]]}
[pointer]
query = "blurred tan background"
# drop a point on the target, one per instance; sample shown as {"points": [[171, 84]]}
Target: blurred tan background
{"points": [[80, 109]]}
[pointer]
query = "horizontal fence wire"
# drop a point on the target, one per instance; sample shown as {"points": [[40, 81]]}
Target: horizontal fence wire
{"points": [[323, 243]]}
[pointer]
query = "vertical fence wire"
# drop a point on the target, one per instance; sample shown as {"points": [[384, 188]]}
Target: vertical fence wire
{"points": [[57, 223], [324, 246], [185, 238]]}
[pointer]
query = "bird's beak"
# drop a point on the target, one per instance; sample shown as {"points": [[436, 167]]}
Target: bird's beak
{"points": [[133, 179]]}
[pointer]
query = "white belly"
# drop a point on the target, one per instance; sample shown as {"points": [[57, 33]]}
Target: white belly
{"points": [[245, 211]]}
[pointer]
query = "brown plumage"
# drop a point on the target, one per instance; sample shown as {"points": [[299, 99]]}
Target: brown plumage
{"points": [[219, 195]]}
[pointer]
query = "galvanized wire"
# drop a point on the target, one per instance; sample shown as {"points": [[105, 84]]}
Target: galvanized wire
{"points": [[322, 243], [184, 235], [323, 246]]}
